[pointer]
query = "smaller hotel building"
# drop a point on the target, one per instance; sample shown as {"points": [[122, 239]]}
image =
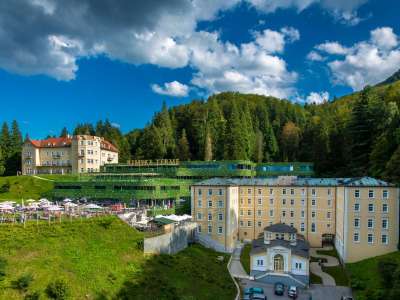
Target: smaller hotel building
{"points": [[65, 155], [360, 216]]}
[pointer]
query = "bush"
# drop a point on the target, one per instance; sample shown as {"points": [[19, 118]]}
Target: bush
{"points": [[3, 264], [33, 296], [57, 290], [23, 282], [5, 187], [386, 269]]}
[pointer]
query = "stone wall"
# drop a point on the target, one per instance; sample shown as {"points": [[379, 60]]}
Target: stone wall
{"points": [[172, 242]]}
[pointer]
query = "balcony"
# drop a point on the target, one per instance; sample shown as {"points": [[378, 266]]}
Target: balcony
{"points": [[109, 158], [56, 156], [81, 155]]}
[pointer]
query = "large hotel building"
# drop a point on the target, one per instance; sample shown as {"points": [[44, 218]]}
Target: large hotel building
{"points": [[359, 215], [71, 154]]}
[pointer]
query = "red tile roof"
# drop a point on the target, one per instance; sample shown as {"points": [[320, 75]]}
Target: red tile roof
{"points": [[66, 142], [106, 145]]}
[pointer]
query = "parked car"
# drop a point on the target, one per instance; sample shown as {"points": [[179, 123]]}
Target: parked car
{"points": [[258, 297], [292, 292], [253, 290], [279, 289], [347, 298]]}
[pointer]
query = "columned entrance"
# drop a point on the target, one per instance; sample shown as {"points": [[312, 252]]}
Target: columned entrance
{"points": [[279, 264]]}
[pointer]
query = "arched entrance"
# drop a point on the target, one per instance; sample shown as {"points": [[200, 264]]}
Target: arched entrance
{"points": [[278, 263]]}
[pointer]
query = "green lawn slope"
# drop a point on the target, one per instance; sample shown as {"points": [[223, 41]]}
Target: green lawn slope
{"points": [[102, 259]]}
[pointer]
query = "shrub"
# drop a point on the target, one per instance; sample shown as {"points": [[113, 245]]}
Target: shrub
{"points": [[23, 282], [57, 290], [386, 269], [3, 264], [5, 187], [33, 296]]}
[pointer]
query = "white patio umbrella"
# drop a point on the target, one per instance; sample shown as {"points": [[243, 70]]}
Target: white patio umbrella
{"points": [[70, 204], [6, 207], [92, 206], [30, 200], [67, 200], [54, 208]]}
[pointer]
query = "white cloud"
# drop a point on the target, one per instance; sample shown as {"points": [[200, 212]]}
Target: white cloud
{"points": [[332, 48], [314, 56], [292, 34], [366, 62], [116, 125], [384, 37], [173, 89], [317, 98], [271, 41], [344, 11]]}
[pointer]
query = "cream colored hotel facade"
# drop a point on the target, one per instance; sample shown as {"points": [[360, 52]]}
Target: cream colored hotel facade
{"points": [[71, 154], [359, 215]]}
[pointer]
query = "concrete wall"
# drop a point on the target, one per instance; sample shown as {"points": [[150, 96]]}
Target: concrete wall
{"points": [[172, 242]]}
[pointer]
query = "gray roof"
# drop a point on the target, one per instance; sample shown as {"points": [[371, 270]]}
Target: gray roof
{"points": [[281, 227], [301, 248], [295, 181]]}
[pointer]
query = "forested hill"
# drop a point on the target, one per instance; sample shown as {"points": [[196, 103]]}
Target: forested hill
{"points": [[353, 136]]}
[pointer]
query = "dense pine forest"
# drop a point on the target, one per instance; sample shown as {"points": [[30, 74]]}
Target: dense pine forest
{"points": [[355, 135]]}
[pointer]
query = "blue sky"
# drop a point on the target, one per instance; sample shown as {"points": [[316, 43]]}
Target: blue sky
{"points": [[90, 60]]}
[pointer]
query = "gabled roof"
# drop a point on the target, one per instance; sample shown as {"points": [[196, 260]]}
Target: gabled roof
{"points": [[51, 142], [301, 248]]}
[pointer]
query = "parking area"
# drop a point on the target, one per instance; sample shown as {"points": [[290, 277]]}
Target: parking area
{"points": [[317, 292]]}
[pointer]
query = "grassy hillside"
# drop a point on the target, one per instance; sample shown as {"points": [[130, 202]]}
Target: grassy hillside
{"points": [[366, 278], [102, 258]]}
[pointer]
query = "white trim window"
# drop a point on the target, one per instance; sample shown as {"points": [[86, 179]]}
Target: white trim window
{"points": [[199, 216], [313, 214], [271, 201], [385, 223], [283, 201], [259, 212], [313, 227], [220, 230], [385, 208], [356, 237], [221, 192], [291, 201], [370, 238], [328, 215], [241, 224], [329, 202], [384, 239], [291, 191], [220, 216], [356, 193], [209, 218], [303, 202], [241, 212], [271, 191], [357, 223], [370, 194], [283, 191], [302, 227], [303, 213], [260, 262], [313, 202], [271, 212], [249, 212], [199, 229], [385, 194], [209, 228], [220, 203], [209, 192], [259, 201], [370, 223], [259, 224], [209, 203], [249, 223], [356, 206], [371, 207], [313, 192], [199, 203]]}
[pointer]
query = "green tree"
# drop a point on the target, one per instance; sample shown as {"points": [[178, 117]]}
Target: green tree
{"points": [[290, 140], [64, 132], [208, 153], [183, 147], [235, 143]]}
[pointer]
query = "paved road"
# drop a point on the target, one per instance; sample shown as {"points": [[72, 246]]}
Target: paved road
{"points": [[317, 291], [236, 269]]}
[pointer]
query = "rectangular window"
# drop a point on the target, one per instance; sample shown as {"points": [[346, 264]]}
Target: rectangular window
{"points": [[249, 223], [259, 191], [302, 213], [313, 192], [357, 222], [370, 194], [385, 208], [370, 223], [283, 213], [313, 228], [283, 191], [221, 192], [385, 194], [210, 192], [384, 239], [249, 201], [249, 212], [313, 202], [199, 216], [356, 206], [220, 203], [303, 191], [259, 224], [241, 224], [249, 191], [220, 217], [271, 213], [328, 215], [329, 192], [357, 194], [241, 201], [209, 229], [199, 228], [209, 216], [241, 212], [283, 201], [260, 262], [219, 229], [199, 203], [291, 191], [370, 238], [313, 214], [292, 214], [271, 201], [370, 207], [303, 202], [302, 227], [385, 224], [199, 191], [209, 203], [329, 202], [259, 212], [259, 201], [271, 191], [291, 201], [356, 237]]}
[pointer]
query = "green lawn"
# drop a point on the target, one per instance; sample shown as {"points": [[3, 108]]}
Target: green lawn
{"points": [[332, 252], [102, 259], [23, 187], [365, 276], [314, 279], [339, 273], [245, 257]]}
